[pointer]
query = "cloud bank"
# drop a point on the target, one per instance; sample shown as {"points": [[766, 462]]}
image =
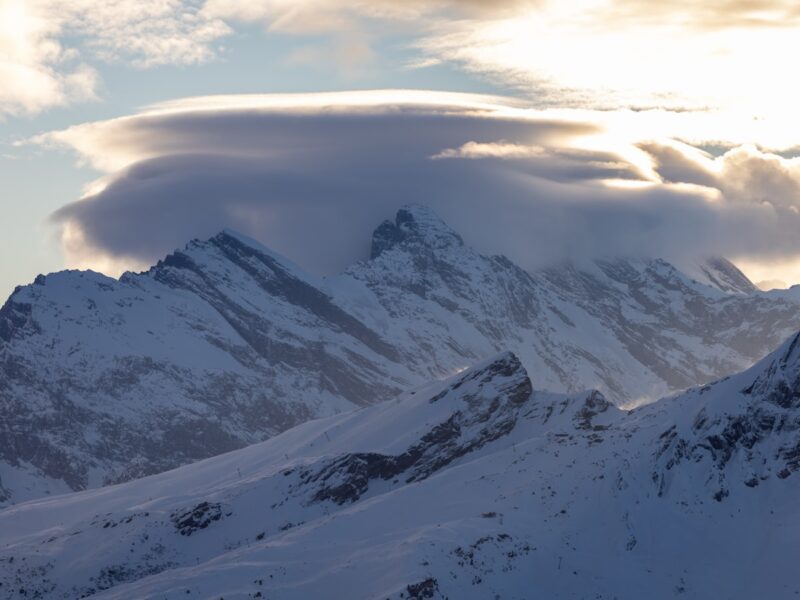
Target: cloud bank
{"points": [[311, 175]]}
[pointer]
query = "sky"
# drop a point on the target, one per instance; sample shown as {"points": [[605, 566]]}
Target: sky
{"points": [[546, 130]]}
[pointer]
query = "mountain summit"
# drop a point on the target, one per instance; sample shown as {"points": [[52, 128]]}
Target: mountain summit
{"points": [[414, 223]]}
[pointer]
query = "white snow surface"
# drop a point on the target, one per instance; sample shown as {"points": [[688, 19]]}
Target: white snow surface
{"points": [[474, 487]]}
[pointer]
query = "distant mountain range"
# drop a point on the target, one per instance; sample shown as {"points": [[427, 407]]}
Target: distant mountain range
{"points": [[224, 344], [475, 487]]}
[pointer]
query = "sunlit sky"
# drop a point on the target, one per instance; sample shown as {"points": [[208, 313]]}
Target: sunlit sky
{"points": [[595, 126]]}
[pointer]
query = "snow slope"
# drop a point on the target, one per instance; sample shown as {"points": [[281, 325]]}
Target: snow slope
{"points": [[476, 487], [225, 343]]}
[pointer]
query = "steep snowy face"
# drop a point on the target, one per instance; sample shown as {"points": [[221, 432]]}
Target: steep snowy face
{"points": [[778, 379], [477, 408], [720, 273], [682, 331], [744, 430], [447, 305], [724, 275], [247, 285], [220, 345], [473, 487]]}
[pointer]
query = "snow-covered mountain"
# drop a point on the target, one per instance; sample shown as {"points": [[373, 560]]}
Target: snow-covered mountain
{"points": [[218, 346], [475, 487], [224, 344], [633, 328]]}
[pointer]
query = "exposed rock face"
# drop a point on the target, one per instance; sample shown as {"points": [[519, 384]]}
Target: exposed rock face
{"points": [[224, 343]]}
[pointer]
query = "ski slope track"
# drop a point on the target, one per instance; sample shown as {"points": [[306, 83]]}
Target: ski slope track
{"points": [[224, 344]]}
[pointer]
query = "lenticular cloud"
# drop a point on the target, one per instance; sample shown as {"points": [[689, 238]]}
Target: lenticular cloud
{"points": [[311, 175]]}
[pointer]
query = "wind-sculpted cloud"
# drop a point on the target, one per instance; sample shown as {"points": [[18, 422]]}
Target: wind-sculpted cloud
{"points": [[311, 175]]}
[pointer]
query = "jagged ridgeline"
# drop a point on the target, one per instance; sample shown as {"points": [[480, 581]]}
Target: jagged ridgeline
{"points": [[225, 343]]}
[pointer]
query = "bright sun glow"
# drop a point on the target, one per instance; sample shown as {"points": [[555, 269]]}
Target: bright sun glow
{"points": [[586, 54]]}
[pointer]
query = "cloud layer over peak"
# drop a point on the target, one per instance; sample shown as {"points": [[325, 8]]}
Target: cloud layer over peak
{"points": [[310, 176]]}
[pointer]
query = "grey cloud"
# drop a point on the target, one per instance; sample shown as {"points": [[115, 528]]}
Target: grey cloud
{"points": [[678, 163], [744, 174], [313, 184], [749, 175]]}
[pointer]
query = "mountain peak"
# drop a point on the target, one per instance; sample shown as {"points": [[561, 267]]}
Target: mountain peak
{"points": [[416, 222], [241, 238], [718, 273], [726, 276], [501, 375], [228, 237], [221, 252]]}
